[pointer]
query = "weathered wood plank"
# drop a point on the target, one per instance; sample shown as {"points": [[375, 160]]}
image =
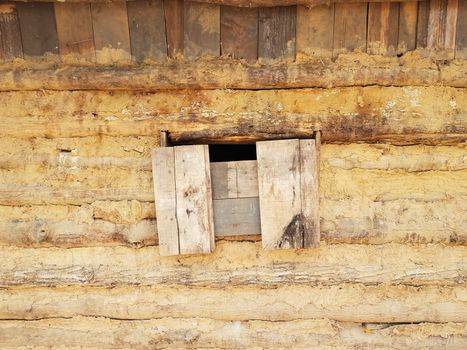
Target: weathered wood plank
{"points": [[239, 32], [315, 30], [328, 265], [442, 21], [194, 199], [383, 18], [280, 194], [461, 31], [407, 39], [277, 32], [10, 35], [38, 30], [110, 25], [74, 28], [422, 24], [163, 170], [147, 30], [202, 30], [223, 74], [237, 216], [234, 179], [345, 303], [309, 192], [350, 27], [174, 26]]}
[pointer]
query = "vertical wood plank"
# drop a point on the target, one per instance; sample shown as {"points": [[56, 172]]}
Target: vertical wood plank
{"points": [[163, 170], [315, 30], [407, 26], [194, 199], [461, 31], [383, 24], [279, 194], [234, 179], [239, 32], [451, 25], [147, 29], [435, 33], [174, 26], [74, 28], [38, 30], [110, 24], [442, 27], [422, 24], [202, 30], [350, 27], [309, 174], [277, 32], [10, 36]]}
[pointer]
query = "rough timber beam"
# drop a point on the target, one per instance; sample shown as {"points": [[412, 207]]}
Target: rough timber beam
{"points": [[233, 74], [241, 3]]}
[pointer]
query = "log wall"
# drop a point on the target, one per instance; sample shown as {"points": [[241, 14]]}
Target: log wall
{"points": [[78, 240]]}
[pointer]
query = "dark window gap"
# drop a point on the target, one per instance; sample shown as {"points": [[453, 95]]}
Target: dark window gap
{"points": [[230, 152]]}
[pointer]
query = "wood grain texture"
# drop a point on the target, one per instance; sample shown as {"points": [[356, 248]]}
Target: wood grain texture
{"points": [[110, 25], [74, 28], [236, 216], [461, 31], [422, 24], [383, 21], [194, 199], [234, 179], [202, 30], [229, 74], [239, 32], [10, 35], [328, 265], [315, 30], [344, 303], [174, 11], [147, 30], [163, 173], [277, 32], [407, 36], [279, 185], [442, 21], [350, 27], [38, 30]]}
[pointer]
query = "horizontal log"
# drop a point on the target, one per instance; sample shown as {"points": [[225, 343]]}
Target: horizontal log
{"points": [[240, 3], [345, 303], [231, 74], [236, 264], [205, 333], [355, 221]]}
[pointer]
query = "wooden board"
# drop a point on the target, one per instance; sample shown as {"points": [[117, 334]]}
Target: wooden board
{"points": [[239, 32], [234, 179], [350, 27], [10, 35], [461, 31], [163, 169], [383, 19], [74, 28], [277, 32], [422, 24], [442, 21], [147, 29], [110, 24], [279, 194], [194, 199], [174, 14], [407, 35], [202, 30], [315, 29], [237, 216], [38, 31]]}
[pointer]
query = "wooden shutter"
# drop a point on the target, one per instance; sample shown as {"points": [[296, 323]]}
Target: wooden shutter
{"points": [[288, 193], [183, 196]]}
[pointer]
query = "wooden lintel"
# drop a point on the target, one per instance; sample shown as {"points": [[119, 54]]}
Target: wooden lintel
{"points": [[235, 74]]}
